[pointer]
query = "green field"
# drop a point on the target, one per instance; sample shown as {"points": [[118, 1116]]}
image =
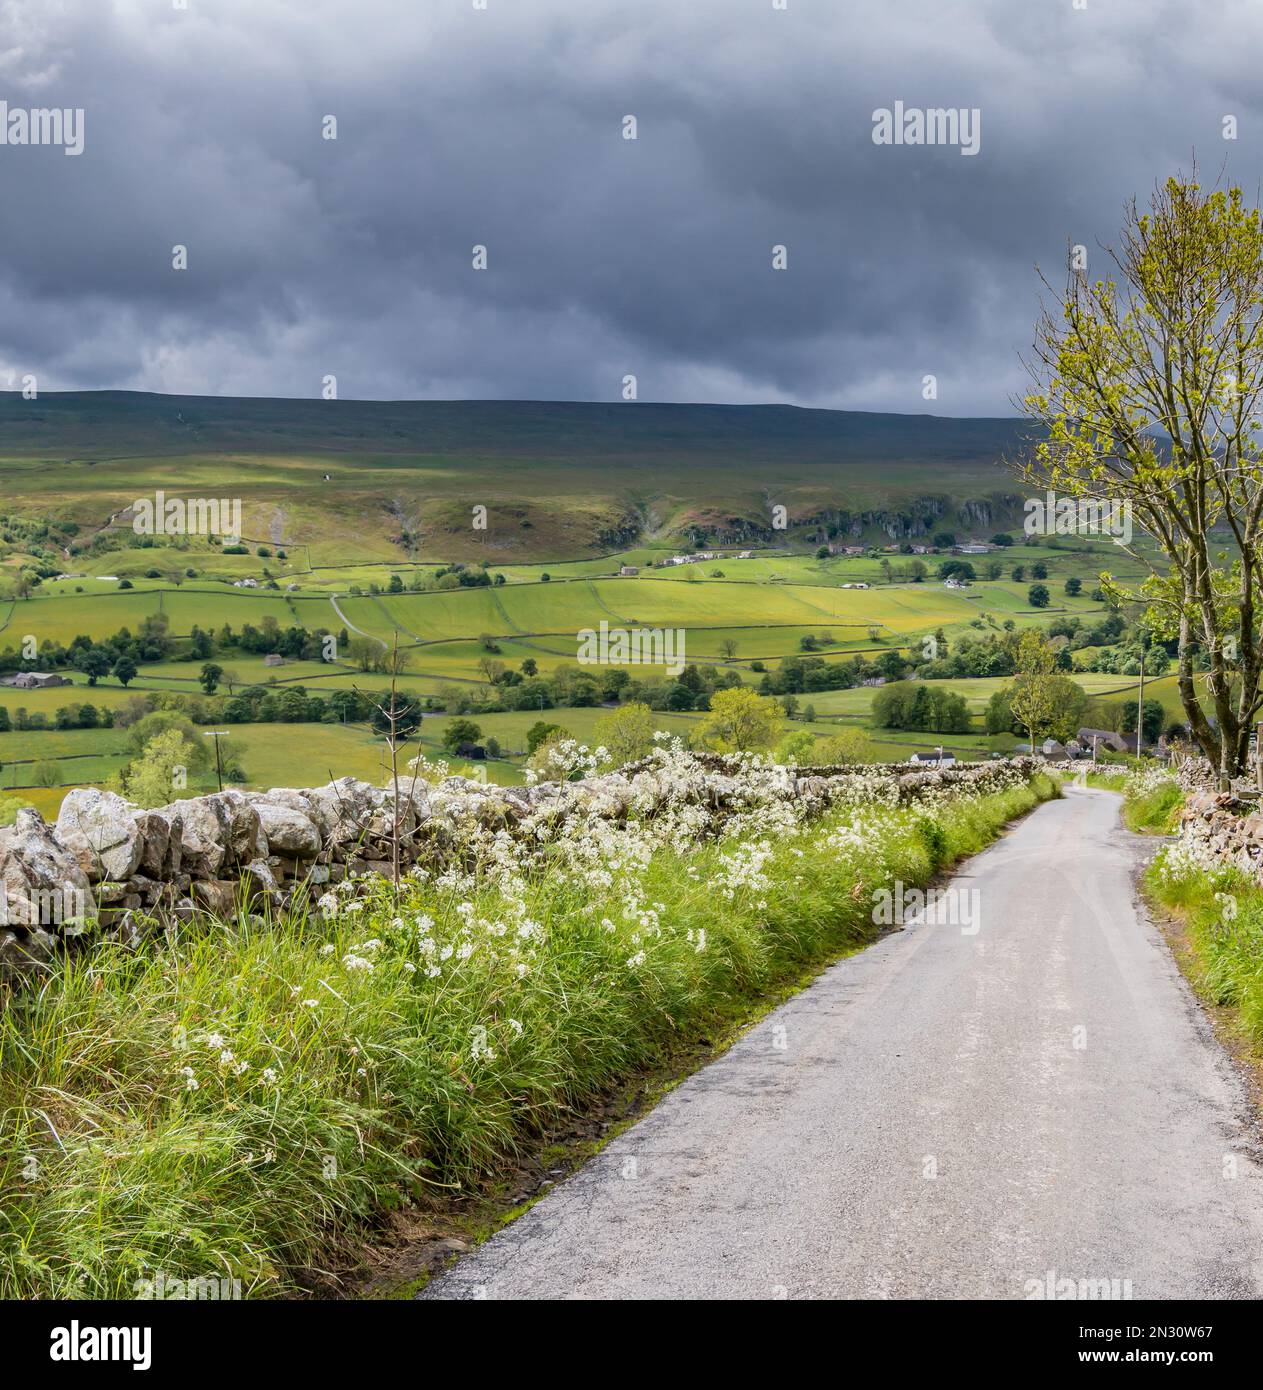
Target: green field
{"points": [[354, 494]]}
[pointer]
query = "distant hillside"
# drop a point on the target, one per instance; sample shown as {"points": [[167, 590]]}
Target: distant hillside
{"points": [[558, 478]]}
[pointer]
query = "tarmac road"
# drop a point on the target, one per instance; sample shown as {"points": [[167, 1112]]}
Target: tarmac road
{"points": [[945, 1115]]}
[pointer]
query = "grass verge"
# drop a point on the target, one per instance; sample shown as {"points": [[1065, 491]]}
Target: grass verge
{"points": [[1222, 914], [243, 1100]]}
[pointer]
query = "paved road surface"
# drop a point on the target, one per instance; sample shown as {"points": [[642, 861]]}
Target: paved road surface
{"points": [[799, 1164]]}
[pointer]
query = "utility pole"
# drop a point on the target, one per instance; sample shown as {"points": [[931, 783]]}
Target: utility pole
{"points": [[217, 734], [1140, 703]]}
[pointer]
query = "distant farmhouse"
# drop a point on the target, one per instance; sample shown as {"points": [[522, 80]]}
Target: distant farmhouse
{"points": [[690, 559], [934, 758], [1103, 738], [34, 680]]}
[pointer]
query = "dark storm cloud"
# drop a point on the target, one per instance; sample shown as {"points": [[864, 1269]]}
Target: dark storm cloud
{"points": [[502, 126]]}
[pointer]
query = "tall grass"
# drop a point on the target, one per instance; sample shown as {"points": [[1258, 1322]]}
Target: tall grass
{"points": [[1152, 801], [237, 1099], [1223, 912]]}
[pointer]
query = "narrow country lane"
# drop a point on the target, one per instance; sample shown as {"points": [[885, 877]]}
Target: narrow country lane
{"points": [[943, 1115]]}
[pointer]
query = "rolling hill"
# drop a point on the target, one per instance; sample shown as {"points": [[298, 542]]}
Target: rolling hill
{"points": [[397, 480]]}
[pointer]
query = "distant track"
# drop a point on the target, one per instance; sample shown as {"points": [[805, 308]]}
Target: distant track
{"points": [[333, 599]]}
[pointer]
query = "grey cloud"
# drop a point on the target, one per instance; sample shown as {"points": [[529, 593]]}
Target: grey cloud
{"points": [[607, 256]]}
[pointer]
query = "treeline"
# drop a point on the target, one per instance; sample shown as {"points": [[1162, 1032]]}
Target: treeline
{"points": [[120, 655], [804, 675], [581, 687], [926, 708]]}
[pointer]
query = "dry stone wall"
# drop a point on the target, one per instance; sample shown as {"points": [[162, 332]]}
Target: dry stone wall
{"points": [[109, 867], [1224, 829]]}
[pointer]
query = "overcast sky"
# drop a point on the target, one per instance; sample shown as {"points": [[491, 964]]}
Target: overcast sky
{"points": [[503, 127]]}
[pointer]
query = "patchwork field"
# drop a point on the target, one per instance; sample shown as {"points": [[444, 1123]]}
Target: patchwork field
{"points": [[345, 502]]}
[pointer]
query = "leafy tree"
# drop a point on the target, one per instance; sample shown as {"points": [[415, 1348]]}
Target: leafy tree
{"points": [[1037, 596], [362, 652], [155, 777], [795, 748], [294, 706], [46, 773], [125, 671], [209, 679], [348, 705], [846, 746], [539, 733], [1074, 587], [956, 569], [198, 757], [739, 720], [921, 706], [1151, 722], [460, 731], [1150, 386], [626, 733], [94, 662], [998, 718], [1041, 700]]}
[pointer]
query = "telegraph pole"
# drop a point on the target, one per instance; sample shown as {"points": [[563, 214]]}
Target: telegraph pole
{"points": [[1140, 706], [217, 734]]}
